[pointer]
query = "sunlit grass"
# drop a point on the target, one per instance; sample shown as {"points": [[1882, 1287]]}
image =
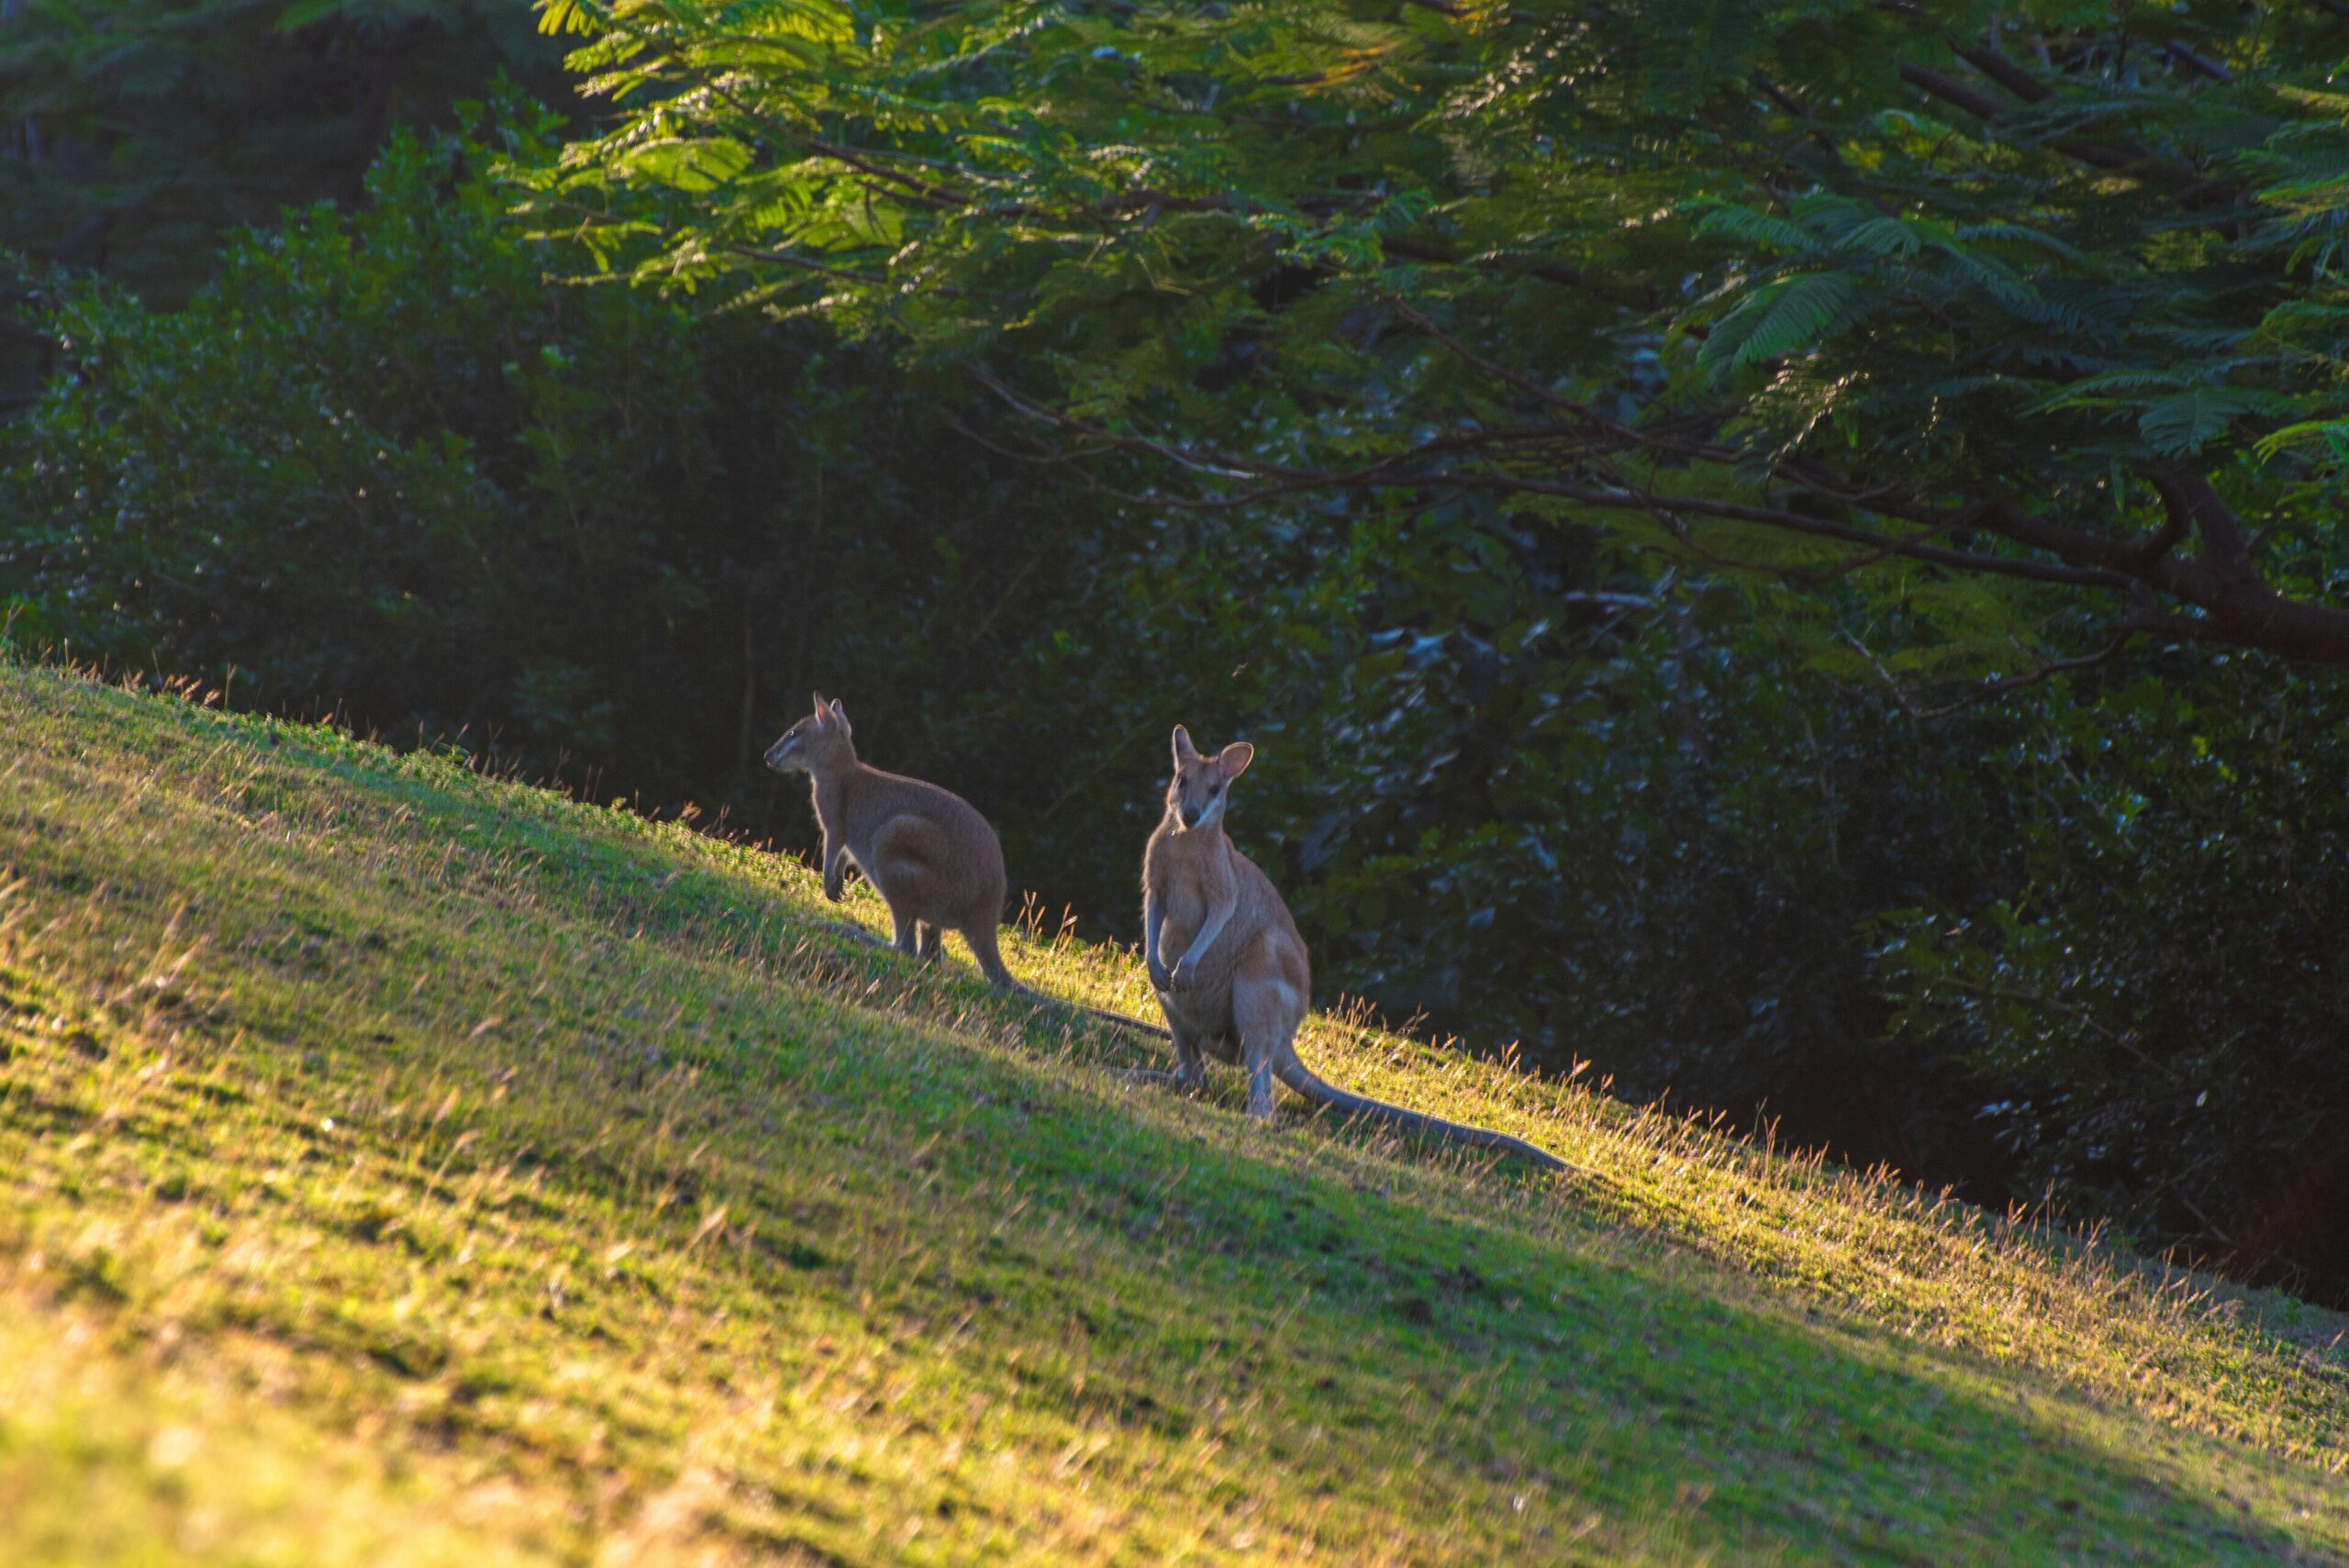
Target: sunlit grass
{"points": [[409, 1167]]}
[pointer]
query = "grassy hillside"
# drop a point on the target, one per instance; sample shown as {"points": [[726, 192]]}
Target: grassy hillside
{"points": [[407, 1168]]}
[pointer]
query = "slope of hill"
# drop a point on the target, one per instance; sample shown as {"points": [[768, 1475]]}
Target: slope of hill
{"points": [[405, 1167]]}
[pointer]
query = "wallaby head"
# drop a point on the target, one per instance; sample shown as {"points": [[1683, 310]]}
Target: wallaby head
{"points": [[1201, 787], [819, 740]]}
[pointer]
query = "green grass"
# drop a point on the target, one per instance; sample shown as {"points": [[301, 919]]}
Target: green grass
{"points": [[405, 1167]]}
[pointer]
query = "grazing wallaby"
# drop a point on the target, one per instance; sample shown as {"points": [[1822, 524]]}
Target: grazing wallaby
{"points": [[926, 850], [1237, 984], [933, 859]]}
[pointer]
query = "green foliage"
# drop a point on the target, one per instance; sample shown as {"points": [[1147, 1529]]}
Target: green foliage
{"points": [[2160, 996], [383, 465], [375, 462], [136, 131], [1783, 315], [1759, 272]]}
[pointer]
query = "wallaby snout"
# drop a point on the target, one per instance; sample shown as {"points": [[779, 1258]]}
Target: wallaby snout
{"points": [[789, 753]]}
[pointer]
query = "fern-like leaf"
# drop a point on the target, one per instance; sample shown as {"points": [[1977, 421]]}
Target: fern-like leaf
{"points": [[1782, 315], [1731, 222], [2188, 422]]}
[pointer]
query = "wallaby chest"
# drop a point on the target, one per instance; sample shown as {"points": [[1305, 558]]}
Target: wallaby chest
{"points": [[829, 814], [1186, 878], [1182, 911], [853, 805]]}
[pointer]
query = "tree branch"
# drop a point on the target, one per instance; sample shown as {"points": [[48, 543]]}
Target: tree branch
{"points": [[2046, 673], [1949, 91], [803, 264], [2209, 69], [1427, 250], [2117, 158], [1992, 62], [1399, 472], [2192, 503], [2238, 607]]}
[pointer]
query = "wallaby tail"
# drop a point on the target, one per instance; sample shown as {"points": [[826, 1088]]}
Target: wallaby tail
{"points": [[983, 948], [1299, 1077]]}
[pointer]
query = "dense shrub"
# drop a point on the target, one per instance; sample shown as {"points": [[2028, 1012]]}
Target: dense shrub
{"points": [[386, 464], [2157, 998]]}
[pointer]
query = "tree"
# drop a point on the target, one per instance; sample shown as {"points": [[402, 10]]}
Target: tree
{"points": [[133, 133], [2024, 321]]}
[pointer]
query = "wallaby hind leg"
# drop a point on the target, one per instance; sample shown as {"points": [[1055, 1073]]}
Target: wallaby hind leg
{"points": [[1190, 1074], [904, 941], [1256, 1056], [1190, 1066], [929, 940], [980, 935], [1266, 1011]]}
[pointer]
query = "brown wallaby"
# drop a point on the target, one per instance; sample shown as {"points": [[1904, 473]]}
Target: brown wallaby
{"points": [[1238, 985], [933, 859], [926, 850]]}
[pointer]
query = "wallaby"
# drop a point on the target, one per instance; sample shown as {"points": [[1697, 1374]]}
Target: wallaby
{"points": [[1238, 985], [930, 856], [926, 850]]}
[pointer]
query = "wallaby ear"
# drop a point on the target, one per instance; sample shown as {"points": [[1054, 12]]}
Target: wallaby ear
{"points": [[1234, 759], [839, 714], [820, 708], [1184, 752]]}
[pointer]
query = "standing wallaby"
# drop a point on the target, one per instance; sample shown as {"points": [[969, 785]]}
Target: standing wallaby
{"points": [[926, 850], [1238, 985], [933, 859]]}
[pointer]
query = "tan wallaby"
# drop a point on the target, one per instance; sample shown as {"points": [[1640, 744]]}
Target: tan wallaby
{"points": [[930, 856], [926, 850], [1238, 985]]}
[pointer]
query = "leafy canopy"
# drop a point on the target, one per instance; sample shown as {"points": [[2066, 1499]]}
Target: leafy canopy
{"points": [[2042, 299], [133, 133]]}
